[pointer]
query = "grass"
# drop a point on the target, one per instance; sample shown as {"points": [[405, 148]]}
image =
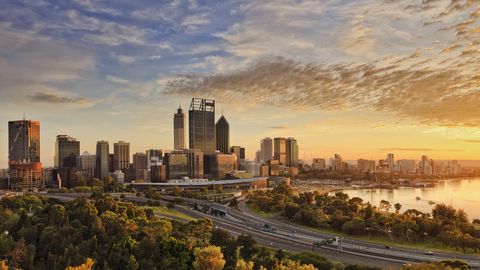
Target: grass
{"points": [[170, 213], [383, 240], [260, 213]]}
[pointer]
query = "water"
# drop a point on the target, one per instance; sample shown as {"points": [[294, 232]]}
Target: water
{"points": [[459, 193]]}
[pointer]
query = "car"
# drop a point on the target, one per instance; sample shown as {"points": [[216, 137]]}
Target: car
{"points": [[388, 247], [428, 252]]}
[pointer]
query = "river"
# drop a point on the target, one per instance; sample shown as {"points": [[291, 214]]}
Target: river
{"points": [[459, 193]]}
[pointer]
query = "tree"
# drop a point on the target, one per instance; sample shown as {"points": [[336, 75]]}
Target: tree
{"points": [[208, 258], [292, 265], [243, 265], [385, 205], [248, 246], [223, 239], [398, 207], [88, 265]]}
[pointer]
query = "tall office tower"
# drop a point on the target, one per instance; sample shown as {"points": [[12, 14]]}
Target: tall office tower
{"points": [[222, 130], [201, 124], [266, 147], [140, 164], [67, 150], [87, 162], [292, 152], [258, 156], [154, 157], [391, 161], [280, 150], [179, 129], [121, 155], [102, 158], [24, 165], [195, 163]]}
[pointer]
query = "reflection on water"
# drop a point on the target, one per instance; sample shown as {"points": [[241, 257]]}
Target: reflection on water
{"points": [[460, 193]]}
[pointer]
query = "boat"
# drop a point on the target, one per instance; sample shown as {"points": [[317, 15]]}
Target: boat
{"points": [[431, 202], [418, 198]]}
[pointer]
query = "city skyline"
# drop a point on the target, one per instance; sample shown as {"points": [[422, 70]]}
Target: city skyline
{"points": [[323, 73]]}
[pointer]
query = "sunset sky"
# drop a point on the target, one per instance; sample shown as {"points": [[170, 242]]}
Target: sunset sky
{"points": [[357, 77]]}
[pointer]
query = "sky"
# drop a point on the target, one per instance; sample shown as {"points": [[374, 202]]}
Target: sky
{"points": [[361, 78]]}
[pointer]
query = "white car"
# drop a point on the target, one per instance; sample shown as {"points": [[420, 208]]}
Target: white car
{"points": [[428, 252]]}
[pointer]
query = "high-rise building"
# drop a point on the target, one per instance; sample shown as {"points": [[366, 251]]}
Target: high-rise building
{"points": [[222, 130], [24, 165], [179, 129], [87, 162], [266, 147], [292, 152], [195, 163], [67, 150], [154, 157], [258, 156], [391, 161], [176, 163], [280, 150], [201, 123], [239, 152], [23, 142], [121, 155], [140, 165], [102, 159]]}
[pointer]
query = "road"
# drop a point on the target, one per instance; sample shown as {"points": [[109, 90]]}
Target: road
{"points": [[294, 238]]}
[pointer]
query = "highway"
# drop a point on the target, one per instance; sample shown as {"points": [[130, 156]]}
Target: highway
{"points": [[286, 236]]}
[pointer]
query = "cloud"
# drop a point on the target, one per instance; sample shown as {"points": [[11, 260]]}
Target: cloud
{"points": [[472, 141], [279, 127], [57, 98], [420, 149], [447, 96]]}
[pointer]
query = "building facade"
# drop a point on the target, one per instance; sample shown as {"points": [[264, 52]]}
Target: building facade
{"points": [[87, 162], [280, 150], [24, 165], [195, 163], [176, 163], [140, 164], [102, 159], [67, 151], [179, 129], [121, 155], [292, 152], [218, 165], [266, 149], [201, 123], [222, 134]]}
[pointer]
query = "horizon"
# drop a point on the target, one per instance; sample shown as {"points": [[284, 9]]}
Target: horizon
{"points": [[324, 73]]}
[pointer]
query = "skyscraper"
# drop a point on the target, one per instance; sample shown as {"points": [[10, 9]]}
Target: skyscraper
{"points": [[201, 123], [280, 150], [140, 164], [222, 130], [266, 147], [121, 155], [23, 142], [391, 161], [195, 163], [87, 162], [102, 156], [67, 150], [292, 152], [24, 164], [179, 129]]}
